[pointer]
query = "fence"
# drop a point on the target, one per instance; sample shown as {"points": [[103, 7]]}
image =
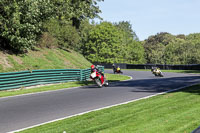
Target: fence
{"points": [[148, 66], [165, 67], [21, 79]]}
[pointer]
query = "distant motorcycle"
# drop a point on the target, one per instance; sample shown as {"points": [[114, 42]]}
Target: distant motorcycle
{"points": [[157, 72], [117, 70], [99, 79]]}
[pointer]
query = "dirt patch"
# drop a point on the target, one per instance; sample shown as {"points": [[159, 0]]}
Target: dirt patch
{"points": [[4, 61], [18, 60], [37, 54]]}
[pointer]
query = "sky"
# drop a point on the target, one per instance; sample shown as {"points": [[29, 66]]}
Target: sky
{"points": [[149, 17]]}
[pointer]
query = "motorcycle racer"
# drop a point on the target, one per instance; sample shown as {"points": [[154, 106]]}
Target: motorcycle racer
{"points": [[99, 74]]}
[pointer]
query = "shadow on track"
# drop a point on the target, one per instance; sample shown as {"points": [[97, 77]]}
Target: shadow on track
{"points": [[161, 84]]}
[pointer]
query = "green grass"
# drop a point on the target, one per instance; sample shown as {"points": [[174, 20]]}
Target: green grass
{"points": [[110, 77], [43, 59], [176, 112], [116, 77]]}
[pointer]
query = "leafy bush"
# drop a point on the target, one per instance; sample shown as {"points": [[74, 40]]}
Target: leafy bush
{"points": [[48, 41], [65, 34], [103, 43], [21, 22]]}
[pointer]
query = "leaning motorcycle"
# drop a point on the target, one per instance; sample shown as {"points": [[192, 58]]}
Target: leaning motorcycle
{"points": [[99, 79], [117, 70], [157, 73]]}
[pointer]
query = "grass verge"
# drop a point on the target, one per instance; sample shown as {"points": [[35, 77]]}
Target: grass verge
{"points": [[175, 112], [110, 77]]}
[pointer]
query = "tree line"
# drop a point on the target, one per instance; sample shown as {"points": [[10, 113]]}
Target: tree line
{"points": [[165, 48], [67, 24]]}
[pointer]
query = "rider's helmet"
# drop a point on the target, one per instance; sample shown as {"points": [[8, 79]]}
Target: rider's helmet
{"points": [[118, 68], [92, 66]]}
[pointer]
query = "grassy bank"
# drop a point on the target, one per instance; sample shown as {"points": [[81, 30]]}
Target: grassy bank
{"points": [[42, 59], [110, 77], [176, 112]]}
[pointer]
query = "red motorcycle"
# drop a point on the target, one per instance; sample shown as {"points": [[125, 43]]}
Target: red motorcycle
{"points": [[99, 78]]}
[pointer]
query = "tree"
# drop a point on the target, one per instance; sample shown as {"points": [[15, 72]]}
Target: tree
{"points": [[155, 47], [110, 44], [131, 49], [76, 10], [135, 53], [84, 29], [21, 22], [126, 27], [86, 9], [103, 44], [66, 35], [182, 52]]}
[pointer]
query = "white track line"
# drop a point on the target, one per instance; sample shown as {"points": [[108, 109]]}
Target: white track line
{"points": [[100, 108]]}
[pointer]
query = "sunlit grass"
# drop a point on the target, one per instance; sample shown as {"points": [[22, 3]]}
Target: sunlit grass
{"points": [[43, 59], [176, 112]]}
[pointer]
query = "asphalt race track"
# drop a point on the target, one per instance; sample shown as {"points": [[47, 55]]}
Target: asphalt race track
{"points": [[24, 111]]}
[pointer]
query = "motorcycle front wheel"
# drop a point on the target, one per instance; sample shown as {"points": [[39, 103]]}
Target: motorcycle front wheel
{"points": [[106, 83], [161, 75], [98, 82]]}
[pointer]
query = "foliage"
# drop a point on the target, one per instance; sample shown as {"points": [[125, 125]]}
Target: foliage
{"points": [[26, 24], [128, 32], [113, 43], [47, 41], [80, 10], [132, 50], [103, 43], [21, 22], [182, 52], [135, 53], [84, 29], [66, 35], [193, 37], [155, 46], [165, 48]]}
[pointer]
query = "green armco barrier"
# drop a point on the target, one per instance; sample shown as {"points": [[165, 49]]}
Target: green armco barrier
{"points": [[14, 80]]}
